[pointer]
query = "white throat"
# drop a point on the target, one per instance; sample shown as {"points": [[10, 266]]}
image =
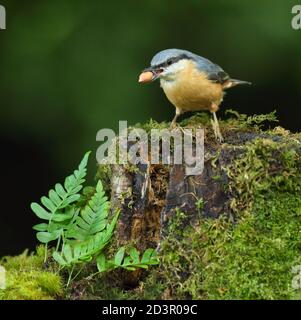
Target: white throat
{"points": [[170, 73]]}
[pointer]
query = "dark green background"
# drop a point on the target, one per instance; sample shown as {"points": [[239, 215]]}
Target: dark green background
{"points": [[69, 68]]}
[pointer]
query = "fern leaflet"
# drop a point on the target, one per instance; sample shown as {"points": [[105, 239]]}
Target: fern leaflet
{"points": [[93, 217], [83, 251], [59, 199]]}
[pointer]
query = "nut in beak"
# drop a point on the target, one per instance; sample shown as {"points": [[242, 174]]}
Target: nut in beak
{"points": [[146, 76]]}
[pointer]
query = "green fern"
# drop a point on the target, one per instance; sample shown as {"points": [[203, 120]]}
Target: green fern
{"points": [[85, 251], [56, 207], [89, 233], [82, 234], [93, 217], [130, 262]]}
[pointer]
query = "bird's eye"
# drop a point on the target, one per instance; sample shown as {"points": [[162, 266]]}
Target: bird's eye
{"points": [[169, 62]]}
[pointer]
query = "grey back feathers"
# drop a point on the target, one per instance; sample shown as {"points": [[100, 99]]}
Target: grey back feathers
{"points": [[212, 70]]}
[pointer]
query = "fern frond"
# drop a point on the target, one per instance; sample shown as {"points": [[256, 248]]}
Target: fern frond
{"points": [[84, 251], [130, 262], [52, 208], [93, 217]]}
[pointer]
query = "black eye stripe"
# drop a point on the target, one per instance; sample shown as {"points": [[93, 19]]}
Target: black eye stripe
{"points": [[171, 61]]}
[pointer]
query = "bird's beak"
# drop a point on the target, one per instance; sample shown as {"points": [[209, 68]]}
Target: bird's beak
{"points": [[149, 74]]}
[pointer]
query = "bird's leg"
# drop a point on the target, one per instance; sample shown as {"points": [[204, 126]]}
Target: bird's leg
{"points": [[216, 129], [174, 120]]}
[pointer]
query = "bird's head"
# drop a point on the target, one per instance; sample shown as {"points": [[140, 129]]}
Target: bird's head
{"points": [[166, 65]]}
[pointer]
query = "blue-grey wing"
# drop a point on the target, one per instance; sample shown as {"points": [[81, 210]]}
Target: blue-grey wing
{"points": [[214, 72]]}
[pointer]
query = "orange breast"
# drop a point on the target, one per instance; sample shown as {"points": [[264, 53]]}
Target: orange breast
{"points": [[191, 90]]}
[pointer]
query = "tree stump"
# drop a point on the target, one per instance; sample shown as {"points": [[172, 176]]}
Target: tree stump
{"points": [[148, 195]]}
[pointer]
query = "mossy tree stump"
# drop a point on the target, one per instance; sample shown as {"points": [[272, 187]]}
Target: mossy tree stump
{"points": [[232, 232], [150, 195]]}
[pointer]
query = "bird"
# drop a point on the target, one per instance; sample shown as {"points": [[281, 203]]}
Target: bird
{"points": [[190, 82]]}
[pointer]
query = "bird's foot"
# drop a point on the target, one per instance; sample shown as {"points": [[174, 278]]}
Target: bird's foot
{"points": [[217, 132], [173, 125], [176, 126]]}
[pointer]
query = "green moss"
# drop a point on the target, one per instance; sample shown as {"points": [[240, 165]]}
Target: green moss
{"points": [[104, 174], [265, 165], [217, 259], [254, 122], [152, 124], [252, 259], [26, 279]]}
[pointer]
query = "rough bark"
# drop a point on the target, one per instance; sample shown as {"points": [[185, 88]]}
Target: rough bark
{"points": [[149, 195]]}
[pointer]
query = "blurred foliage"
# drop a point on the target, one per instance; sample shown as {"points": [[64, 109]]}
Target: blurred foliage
{"points": [[69, 68]]}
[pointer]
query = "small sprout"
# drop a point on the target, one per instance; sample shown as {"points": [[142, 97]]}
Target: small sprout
{"points": [[200, 204]]}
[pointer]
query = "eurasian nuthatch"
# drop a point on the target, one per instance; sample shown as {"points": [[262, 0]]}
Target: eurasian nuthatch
{"points": [[190, 82]]}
